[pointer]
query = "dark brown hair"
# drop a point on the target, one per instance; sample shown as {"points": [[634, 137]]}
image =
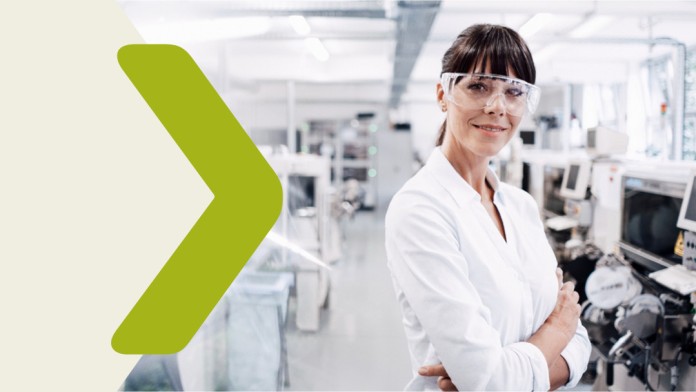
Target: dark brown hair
{"points": [[481, 44]]}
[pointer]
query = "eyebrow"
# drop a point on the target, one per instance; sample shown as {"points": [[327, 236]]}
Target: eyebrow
{"points": [[500, 77]]}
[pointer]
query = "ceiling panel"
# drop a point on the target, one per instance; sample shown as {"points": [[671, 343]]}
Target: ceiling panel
{"points": [[361, 38]]}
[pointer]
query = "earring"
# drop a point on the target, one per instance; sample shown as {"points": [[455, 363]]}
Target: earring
{"points": [[443, 106]]}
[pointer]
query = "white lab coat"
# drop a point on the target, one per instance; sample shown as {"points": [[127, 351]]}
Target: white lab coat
{"points": [[469, 299]]}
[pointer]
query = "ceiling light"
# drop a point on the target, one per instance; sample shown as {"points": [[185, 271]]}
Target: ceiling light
{"points": [[205, 30], [534, 24], [317, 48], [299, 23], [590, 26]]}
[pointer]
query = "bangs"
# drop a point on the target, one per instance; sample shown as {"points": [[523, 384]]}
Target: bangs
{"points": [[497, 47]]}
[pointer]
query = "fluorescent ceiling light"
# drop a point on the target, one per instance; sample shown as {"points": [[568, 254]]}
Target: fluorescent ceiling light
{"points": [[534, 24], [590, 26], [299, 23], [317, 48], [205, 29]]}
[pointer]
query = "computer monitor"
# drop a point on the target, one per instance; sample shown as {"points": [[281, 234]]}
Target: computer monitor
{"points": [[576, 178], [528, 137], [687, 212], [649, 216], [552, 201]]}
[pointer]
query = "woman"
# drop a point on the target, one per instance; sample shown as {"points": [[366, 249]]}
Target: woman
{"points": [[473, 272]]}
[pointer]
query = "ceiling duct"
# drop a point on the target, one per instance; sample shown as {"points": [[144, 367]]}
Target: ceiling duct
{"points": [[242, 8], [414, 21]]}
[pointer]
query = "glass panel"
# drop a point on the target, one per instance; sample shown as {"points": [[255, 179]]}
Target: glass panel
{"points": [[689, 141]]}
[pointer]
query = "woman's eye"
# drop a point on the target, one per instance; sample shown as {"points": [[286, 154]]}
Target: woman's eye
{"points": [[477, 87], [514, 92]]}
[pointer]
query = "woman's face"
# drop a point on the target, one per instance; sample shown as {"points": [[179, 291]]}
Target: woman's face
{"points": [[481, 131]]}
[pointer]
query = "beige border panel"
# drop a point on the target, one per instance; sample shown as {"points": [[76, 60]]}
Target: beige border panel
{"points": [[94, 194]]}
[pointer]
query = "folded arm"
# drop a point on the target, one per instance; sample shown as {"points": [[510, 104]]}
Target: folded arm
{"points": [[425, 259], [565, 369]]}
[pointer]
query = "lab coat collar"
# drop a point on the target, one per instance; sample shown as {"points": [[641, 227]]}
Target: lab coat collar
{"points": [[443, 171]]}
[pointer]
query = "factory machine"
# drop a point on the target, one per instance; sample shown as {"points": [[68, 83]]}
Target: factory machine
{"points": [[639, 308]]}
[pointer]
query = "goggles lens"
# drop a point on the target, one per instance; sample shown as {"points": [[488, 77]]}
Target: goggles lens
{"points": [[481, 90]]}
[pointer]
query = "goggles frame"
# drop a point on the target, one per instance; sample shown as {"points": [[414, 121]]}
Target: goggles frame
{"points": [[533, 93]]}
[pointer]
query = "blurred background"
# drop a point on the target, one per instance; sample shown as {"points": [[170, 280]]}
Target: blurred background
{"points": [[339, 96]]}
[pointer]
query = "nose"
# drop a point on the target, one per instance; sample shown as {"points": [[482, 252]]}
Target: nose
{"points": [[495, 104]]}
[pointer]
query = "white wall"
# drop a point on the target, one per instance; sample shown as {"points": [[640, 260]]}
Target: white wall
{"points": [[272, 116], [425, 119]]}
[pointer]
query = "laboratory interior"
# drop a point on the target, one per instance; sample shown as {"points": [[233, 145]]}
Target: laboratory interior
{"points": [[340, 99]]}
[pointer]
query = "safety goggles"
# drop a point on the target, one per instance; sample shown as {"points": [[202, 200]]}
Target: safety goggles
{"points": [[475, 90]]}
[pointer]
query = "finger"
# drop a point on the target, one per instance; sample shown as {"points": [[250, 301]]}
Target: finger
{"points": [[570, 286], [433, 371], [446, 384], [559, 276]]}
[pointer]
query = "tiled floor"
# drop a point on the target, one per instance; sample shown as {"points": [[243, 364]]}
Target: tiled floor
{"points": [[360, 344]]}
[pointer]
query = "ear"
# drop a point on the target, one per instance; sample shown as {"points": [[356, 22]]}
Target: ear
{"points": [[440, 95]]}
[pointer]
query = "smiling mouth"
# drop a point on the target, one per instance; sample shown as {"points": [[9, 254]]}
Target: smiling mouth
{"points": [[490, 128]]}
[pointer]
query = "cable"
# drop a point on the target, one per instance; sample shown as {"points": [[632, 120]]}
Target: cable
{"points": [[646, 371], [674, 370]]}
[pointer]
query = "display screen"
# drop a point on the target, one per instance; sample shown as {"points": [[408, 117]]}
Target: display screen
{"points": [[553, 201], [649, 221], [572, 177], [528, 137], [691, 207], [300, 192]]}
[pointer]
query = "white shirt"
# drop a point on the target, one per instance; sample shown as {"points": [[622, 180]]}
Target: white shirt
{"points": [[469, 299]]}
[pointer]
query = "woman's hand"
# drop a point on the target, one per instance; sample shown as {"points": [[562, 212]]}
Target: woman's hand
{"points": [[559, 328], [566, 314], [444, 382], [551, 338]]}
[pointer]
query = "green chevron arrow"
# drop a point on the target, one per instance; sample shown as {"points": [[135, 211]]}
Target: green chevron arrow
{"points": [[247, 201]]}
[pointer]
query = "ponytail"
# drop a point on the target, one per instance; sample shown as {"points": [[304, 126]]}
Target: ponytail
{"points": [[441, 134]]}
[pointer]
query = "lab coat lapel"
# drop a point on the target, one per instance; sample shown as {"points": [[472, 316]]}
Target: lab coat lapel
{"points": [[487, 225], [469, 201], [509, 248], [505, 248]]}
